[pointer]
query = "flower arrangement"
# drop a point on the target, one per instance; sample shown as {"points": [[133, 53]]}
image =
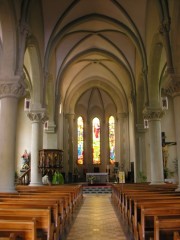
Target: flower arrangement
{"points": [[91, 178]]}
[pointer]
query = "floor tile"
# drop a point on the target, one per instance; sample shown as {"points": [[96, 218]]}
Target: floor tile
{"points": [[96, 220]]}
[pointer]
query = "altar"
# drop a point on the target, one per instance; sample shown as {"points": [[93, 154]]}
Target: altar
{"points": [[98, 177]]}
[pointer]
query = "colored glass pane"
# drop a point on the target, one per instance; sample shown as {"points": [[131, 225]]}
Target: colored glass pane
{"points": [[112, 139], [80, 140], [96, 141]]}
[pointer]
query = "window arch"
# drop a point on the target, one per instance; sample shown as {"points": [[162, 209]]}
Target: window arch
{"points": [[80, 140], [96, 140], [112, 139]]}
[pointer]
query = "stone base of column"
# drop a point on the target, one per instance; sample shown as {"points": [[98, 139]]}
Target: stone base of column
{"points": [[177, 189], [5, 190], [156, 183], [36, 184]]}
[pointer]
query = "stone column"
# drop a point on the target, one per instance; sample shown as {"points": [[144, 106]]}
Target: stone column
{"points": [[154, 116], [106, 154], [50, 136], [123, 134], [10, 91], [164, 31], [174, 90], [38, 117], [70, 118], [141, 149], [23, 32]]}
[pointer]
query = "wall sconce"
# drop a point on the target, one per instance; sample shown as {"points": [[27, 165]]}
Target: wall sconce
{"points": [[60, 108], [164, 103], [27, 103], [46, 125], [146, 123]]}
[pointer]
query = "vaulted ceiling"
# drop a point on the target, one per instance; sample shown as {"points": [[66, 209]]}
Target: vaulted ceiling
{"points": [[95, 43], [104, 44]]}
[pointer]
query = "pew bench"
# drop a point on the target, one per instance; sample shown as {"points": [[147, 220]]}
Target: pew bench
{"points": [[63, 201], [150, 203], [164, 227], [44, 225], [56, 219], [10, 236], [75, 190], [176, 235], [146, 223], [25, 229]]}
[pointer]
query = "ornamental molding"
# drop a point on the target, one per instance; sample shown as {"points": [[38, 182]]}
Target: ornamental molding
{"points": [[164, 27], [153, 113], [51, 127], [24, 29], [12, 88], [38, 116], [173, 86]]}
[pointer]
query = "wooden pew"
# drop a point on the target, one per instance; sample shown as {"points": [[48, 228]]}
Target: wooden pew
{"points": [[75, 190], [125, 193], [67, 193], [62, 200], [33, 204], [156, 201], [176, 236], [39, 197], [164, 227], [42, 216], [124, 197], [72, 193], [147, 214], [25, 229], [11, 236], [46, 193]]}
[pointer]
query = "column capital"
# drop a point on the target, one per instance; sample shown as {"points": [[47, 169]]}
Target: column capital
{"points": [[153, 113], [173, 85], [70, 116], [12, 87], [38, 115], [24, 28], [164, 27]]}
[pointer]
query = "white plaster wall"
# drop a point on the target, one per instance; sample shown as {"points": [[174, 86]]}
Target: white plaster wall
{"points": [[167, 126], [23, 134]]}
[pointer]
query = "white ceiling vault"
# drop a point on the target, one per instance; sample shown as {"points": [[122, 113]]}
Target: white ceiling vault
{"points": [[94, 42], [103, 44]]}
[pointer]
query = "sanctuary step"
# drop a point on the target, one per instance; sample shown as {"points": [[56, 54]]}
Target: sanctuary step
{"points": [[97, 189]]}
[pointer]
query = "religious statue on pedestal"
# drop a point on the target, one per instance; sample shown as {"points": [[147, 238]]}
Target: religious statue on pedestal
{"points": [[25, 160]]}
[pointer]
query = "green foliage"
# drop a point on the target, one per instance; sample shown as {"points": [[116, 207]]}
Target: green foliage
{"points": [[58, 178], [175, 166], [168, 173], [16, 175], [141, 177]]}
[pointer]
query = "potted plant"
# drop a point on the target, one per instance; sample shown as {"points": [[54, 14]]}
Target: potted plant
{"points": [[91, 179], [141, 177]]}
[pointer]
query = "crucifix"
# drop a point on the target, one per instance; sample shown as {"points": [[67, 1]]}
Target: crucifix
{"points": [[165, 146]]}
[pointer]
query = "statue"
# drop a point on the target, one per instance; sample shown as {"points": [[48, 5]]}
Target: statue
{"points": [[165, 150], [25, 160], [165, 154]]}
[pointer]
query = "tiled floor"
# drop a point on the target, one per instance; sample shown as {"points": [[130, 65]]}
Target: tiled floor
{"points": [[96, 220]]}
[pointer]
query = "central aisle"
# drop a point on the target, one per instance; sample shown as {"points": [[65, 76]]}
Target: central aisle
{"points": [[96, 220]]}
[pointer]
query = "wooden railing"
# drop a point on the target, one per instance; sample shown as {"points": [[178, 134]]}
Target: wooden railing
{"points": [[24, 179]]}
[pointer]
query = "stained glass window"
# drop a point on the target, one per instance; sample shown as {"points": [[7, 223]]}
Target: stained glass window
{"points": [[80, 140], [112, 139], [96, 140]]}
